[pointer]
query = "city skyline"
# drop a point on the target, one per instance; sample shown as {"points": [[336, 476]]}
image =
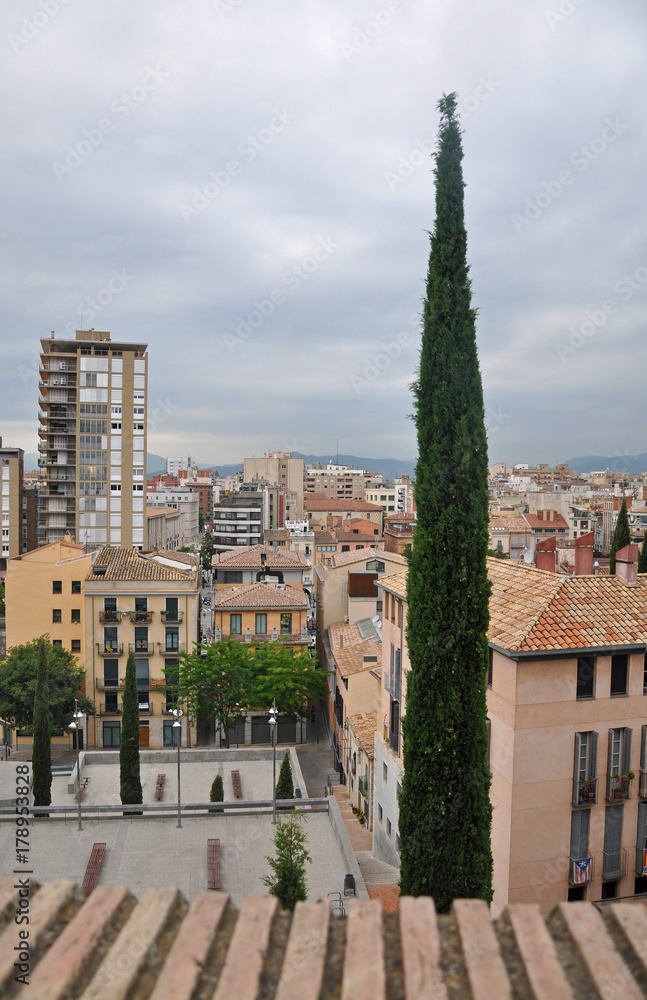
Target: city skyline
{"points": [[255, 187]]}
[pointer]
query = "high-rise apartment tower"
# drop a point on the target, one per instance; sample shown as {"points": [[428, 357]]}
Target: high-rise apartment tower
{"points": [[92, 429]]}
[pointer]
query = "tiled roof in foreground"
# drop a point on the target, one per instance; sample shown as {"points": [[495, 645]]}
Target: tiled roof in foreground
{"points": [[116, 563], [111, 946]]}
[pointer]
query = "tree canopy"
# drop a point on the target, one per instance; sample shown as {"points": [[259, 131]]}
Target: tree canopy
{"points": [[621, 536], [18, 674], [225, 679], [288, 879]]}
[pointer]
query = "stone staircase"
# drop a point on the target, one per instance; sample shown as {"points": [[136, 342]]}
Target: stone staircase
{"points": [[376, 872]]}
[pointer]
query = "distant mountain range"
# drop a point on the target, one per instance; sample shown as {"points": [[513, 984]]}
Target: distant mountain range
{"points": [[634, 465]]}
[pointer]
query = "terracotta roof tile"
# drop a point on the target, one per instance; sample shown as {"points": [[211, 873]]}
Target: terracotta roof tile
{"points": [[320, 502], [350, 658], [364, 725], [210, 950], [131, 564], [249, 557], [361, 555], [261, 595]]}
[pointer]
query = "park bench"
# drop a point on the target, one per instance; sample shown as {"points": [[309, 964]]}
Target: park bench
{"points": [[159, 787], [94, 867], [213, 864], [236, 785]]}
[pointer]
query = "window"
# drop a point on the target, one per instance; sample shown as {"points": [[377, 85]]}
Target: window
{"points": [[286, 623], [110, 639], [76, 586], [489, 666], [580, 842], [641, 841], [141, 671], [57, 615], [613, 860], [57, 642], [111, 673], [76, 645], [619, 674], [385, 773], [585, 677], [111, 734], [57, 586], [380, 813], [233, 576], [236, 624], [171, 613], [141, 639], [172, 640], [585, 769], [388, 828], [170, 739], [75, 616], [619, 763], [261, 624]]}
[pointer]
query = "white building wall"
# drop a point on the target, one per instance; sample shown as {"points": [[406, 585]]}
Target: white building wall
{"points": [[387, 780]]}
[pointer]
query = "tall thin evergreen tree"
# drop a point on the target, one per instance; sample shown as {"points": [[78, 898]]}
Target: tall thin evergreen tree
{"points": [[129, 776], [41, 759], [642, 556], [445, 813], [621, 536]]}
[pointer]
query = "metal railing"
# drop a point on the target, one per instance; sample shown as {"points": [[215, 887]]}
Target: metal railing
{"points": [[172, 617], [642, 785], [107, 709], [110, 617], [158, 810], [104, 685], [641, 861], [394, 740], [142, 648], [614, 864], [581, 870], [171, 650], [363, 786], [585, 793], [106, 650], [140, 617]]}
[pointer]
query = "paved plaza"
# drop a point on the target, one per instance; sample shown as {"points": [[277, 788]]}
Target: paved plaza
{"points": [[142, 853]]}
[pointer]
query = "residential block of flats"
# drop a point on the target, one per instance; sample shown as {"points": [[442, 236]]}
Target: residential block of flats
{"points": [[147, 604], [567, 711]]}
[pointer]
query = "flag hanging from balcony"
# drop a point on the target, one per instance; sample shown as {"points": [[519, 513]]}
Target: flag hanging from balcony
{"points": [[582, 871], [644, 860]]}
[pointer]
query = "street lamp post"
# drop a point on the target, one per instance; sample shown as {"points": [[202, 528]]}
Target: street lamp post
{"points": [[177, 712], [74, 726], [273, 724]]}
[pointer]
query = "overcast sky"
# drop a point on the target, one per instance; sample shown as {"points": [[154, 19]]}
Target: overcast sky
{"points": [[247, 187]]}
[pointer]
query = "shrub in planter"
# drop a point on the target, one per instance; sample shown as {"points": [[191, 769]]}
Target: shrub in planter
{"points": [[217, 790]]}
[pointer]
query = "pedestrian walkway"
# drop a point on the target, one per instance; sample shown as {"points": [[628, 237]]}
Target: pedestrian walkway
{"points": [[361, 839], [376, 872]]}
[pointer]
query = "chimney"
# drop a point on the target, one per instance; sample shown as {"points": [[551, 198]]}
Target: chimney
{"points": [[584, 555], [263, 558], [627, 565], [545, 554]]}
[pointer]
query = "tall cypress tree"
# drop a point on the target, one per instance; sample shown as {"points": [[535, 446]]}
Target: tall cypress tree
{"points": [[642, 556], [445, 810], [129, 777], [621, 536], [41, 759]]}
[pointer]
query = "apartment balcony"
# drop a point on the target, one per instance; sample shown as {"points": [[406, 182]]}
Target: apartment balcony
{"points": [[394, 740], [146, 708], [614, 864], [172, 617], [619, 787], [641, 861], [581, 870], [140, 617], [142, 648], [109, 709], [110, 617], [115, 650], [585, 793], [172, 650], [363, 787], [104, 685], [642, 785]]}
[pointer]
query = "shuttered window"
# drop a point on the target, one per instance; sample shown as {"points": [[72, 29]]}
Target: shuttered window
{"points": [[580, 834]]}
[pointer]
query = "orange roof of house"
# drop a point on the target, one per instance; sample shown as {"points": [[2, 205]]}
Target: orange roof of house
{"points": [[361, 555], [261, 595], [534, 521], [320, 502], [508, 523], [118, 563], [350, 659], [249, 557], [364, 725], [531, 609]]}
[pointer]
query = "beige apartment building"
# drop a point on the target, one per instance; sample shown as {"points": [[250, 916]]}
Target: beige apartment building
{"points": [[278, 468], [148, 604], [92, 429], [346, 585], [567, 708], [11, 504]]}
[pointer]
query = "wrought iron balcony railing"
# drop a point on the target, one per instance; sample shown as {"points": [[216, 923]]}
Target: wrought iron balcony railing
{"points": [[614, 864], [109, 617], [142, 648], [172, 617], [618, 787], [585, 793], [109, 708], [116, 649]]}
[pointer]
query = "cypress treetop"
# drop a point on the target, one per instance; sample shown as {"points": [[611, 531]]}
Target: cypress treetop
{"points": [[621, 536], [129, 774], [445, 810]]}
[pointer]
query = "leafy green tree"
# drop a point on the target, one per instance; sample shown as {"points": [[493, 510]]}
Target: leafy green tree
{"points": [[129, 775], [41, 758], [642, 556], [18, 676], [285, 784], [206, 550], [288, 879], [217, 791], [215, 682], [621, 536], [445, 808], [289, 676]]}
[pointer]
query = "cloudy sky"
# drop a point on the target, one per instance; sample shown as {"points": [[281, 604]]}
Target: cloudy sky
{"points": [[247, 187]]}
